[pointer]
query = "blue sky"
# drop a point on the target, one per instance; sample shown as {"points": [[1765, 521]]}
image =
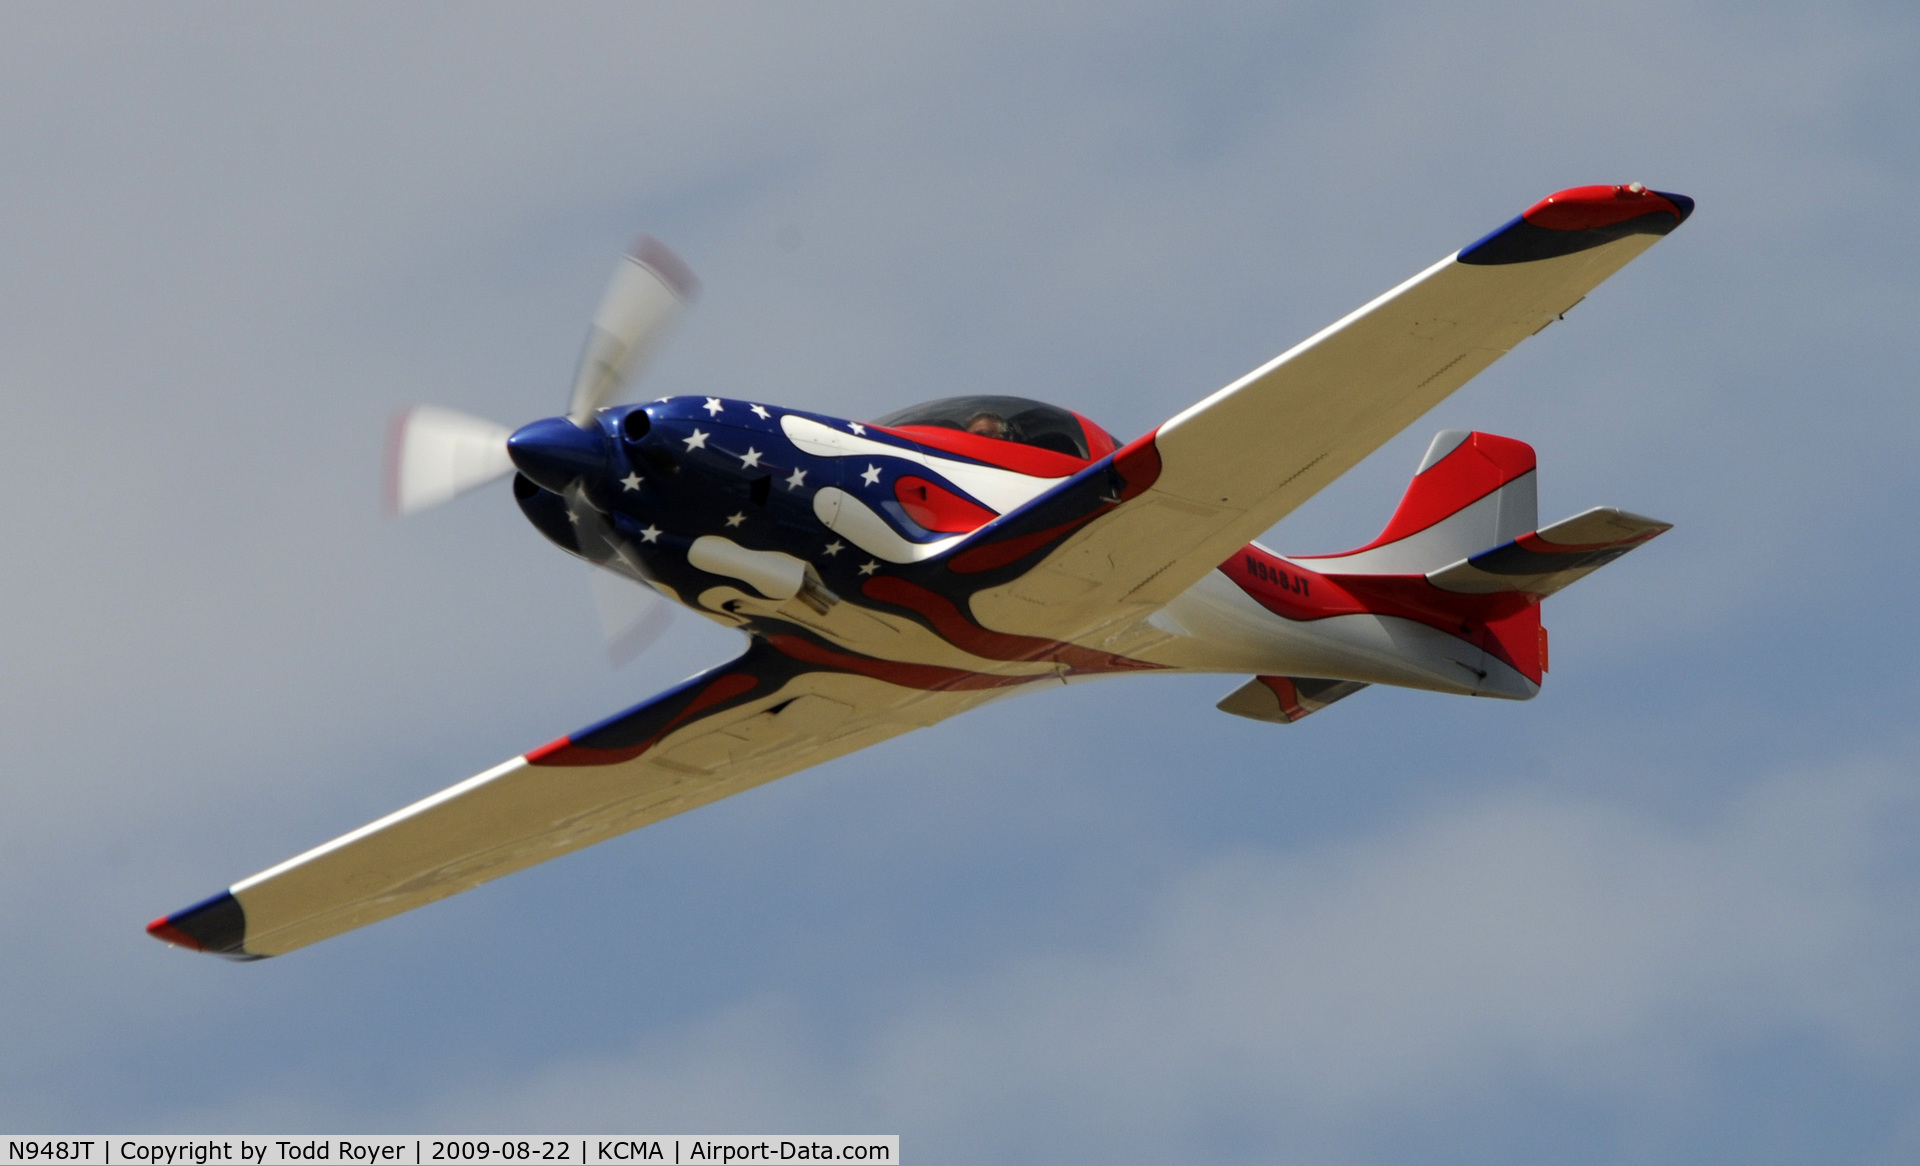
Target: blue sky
{"points": [[1666, 912]]}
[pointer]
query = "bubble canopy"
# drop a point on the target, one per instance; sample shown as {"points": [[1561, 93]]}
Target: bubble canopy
{"points": [[1017, 419]]}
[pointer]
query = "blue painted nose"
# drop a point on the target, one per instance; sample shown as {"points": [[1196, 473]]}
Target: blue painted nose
{"points": [[555, 451]]}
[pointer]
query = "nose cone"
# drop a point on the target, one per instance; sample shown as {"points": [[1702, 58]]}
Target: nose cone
{"points": [[555, 451]]}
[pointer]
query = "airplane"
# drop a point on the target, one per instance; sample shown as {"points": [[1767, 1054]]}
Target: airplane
{"points": [[892, 573]]}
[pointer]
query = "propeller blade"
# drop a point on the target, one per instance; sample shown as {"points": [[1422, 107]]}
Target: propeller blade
{"points": [[649, 289], [632, 615], [434, 455]]}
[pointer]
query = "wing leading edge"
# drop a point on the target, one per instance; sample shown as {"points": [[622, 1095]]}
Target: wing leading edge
{"points": [[1085, 561], [760, 717]]}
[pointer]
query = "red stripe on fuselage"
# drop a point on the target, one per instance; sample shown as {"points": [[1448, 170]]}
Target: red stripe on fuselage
{"points": [[1008, 455], [1491, 622]]}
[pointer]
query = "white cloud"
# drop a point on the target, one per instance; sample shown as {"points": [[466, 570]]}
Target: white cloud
{"points": [[1442, 965]]}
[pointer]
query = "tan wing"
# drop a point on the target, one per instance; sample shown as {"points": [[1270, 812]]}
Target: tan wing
{"points": [[761, 717], [1236, 463]]}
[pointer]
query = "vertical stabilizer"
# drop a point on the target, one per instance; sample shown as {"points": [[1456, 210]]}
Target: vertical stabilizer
{"points": [[1472, 491]]}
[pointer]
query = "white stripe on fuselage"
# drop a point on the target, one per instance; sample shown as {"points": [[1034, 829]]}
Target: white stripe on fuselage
{"points": [[1001, 490], [847, 516]]}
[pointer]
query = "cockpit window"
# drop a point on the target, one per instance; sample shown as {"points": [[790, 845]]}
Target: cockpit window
{"points": [[1004, 418]]}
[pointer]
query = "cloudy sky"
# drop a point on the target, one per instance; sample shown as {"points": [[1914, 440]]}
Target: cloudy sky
{"points": [[1667, 912]]}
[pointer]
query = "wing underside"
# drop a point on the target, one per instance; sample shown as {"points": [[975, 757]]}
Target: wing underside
{"points": [[763, 716]]}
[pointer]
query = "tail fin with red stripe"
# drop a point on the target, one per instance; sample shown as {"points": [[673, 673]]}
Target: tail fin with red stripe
{"points": [[1462, 555], [1472, 491]]}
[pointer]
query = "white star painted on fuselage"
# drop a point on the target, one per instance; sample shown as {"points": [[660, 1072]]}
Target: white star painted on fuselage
{"points": [[871, 476], [651, 534], [759, 411], [573, 516], [857, 428], [869, 567], [631, 481], [798, 477], [750, 459], [834, 548], [736, 519], [712, 406], [697, 441]]}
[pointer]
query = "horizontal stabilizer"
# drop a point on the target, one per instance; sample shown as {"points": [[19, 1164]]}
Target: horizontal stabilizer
{"points": [[1549, 559], [1285, 699]]}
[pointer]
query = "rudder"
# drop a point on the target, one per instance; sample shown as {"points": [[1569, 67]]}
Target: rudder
{"points": [[1472, 491]]}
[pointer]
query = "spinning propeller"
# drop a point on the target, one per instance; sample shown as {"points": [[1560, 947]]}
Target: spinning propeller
{"points": [[434, 455]]}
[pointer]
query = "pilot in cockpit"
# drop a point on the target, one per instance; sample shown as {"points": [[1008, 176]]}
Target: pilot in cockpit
{"points": [[989, 425]]}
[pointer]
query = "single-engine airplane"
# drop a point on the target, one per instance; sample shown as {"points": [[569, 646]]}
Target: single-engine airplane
{"points": [[892, 573]]}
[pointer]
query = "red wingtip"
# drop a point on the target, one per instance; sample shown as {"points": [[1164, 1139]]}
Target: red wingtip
{"points": [[537, 756], [1585, 207], [163, 930]]}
